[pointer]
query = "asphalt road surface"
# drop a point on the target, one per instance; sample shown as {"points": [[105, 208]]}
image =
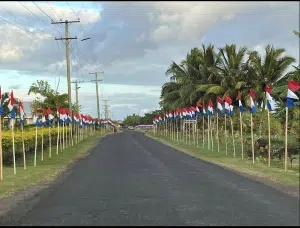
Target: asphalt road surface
{"points": [[130, 179]]}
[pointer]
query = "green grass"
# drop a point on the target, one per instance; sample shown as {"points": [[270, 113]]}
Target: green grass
{"points": [[46, 170], [275, 173]]}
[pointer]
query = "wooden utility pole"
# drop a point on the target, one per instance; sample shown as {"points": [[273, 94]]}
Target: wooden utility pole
{"points": [[76, 82], [67, 38], [97, 92], [105, 109]]}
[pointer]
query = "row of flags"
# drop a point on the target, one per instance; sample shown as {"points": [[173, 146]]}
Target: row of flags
{"points": [[192, 112], [63, 115]]}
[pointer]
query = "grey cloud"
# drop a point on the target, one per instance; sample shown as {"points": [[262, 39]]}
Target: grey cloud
{"points": [[15, 87]]}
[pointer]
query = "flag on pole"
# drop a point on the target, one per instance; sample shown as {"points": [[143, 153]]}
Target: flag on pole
{"points": [[184, 112], [228, 106], [35, 117], [219, 106], [270, 102], [44, 117], [50, 116], [198, 105], [170, 115], [252, 106], [210, 108], [11, 105], [242, 108], [204, 110], [21, 111], [292, 87], [1, 108]]}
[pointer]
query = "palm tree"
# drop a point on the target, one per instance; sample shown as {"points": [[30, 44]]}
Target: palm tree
{"points": [[4, 103], [229, 71]]}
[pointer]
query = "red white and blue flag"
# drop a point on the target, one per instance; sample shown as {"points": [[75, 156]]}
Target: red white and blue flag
{"points": [[44, 117], [242, 108], [35, 117], [292, 87], [21, 111], [228, 106], [219, 106], [252, 106], [210, 108], [11, 105], [270, 101], [204, 110]]}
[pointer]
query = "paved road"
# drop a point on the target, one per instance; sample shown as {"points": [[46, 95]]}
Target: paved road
{"points": [[130, 179]]}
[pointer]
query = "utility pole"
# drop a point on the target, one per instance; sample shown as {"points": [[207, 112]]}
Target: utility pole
{"points": [[67, 38], [105, 109], [97, 92], [76, 89]]}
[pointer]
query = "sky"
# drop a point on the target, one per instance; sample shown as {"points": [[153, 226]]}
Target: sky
{"points": [[133, 43]]}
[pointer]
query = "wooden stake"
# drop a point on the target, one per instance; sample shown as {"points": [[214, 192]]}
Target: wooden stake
{"points": [[63, 138], [252, 142], [225, 133], [242, 143], [211, 136], [49, 140], [35, 148], [232, 134], [197, 131], [203, 131], [269, 146], [189, 133], [13, 141], [208, 132], [286, 137], [1, 153], [42, 158], [23, 145], [218, 132], [58, 137]]}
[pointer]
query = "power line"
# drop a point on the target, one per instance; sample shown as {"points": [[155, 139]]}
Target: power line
{"points": [[24, 23], [55, 13], [42, 11], [38, 17], [18, 26], [77, 17]]}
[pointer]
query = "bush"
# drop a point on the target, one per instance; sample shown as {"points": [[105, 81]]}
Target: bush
{"points": [[29, 142]]}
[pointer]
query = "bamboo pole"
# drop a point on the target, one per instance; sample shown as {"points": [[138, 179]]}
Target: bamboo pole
{"points": [[232, 134], [252, 142], [1, 153], [177, 128], [63, 138], [35, 148], [286, 138], [189, 133], [218, 132], [58, 137], [49, 140], [13, 141], [194, 130], [203, 131], [208, 132], [212, 138], [269, 146], [197, 132], [225, 133], [242, 143], [23, 145], [42, 158]]}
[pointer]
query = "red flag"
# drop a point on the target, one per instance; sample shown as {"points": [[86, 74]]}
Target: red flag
{"points": [[49, 110], [239, 96], [252, 93], [268, 89], [62, 111], [20, 106], [210, 103], [220, 100], [44, 112], [292, 85], [12, 100], [228, 100], [198, 104]]}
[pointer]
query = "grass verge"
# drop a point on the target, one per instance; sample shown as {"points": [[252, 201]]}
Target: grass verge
{"points": [[258, 170], [46, 170]]}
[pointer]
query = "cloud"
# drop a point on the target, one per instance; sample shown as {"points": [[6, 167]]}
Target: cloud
{"points": [[134, 42], [15, 87]]}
